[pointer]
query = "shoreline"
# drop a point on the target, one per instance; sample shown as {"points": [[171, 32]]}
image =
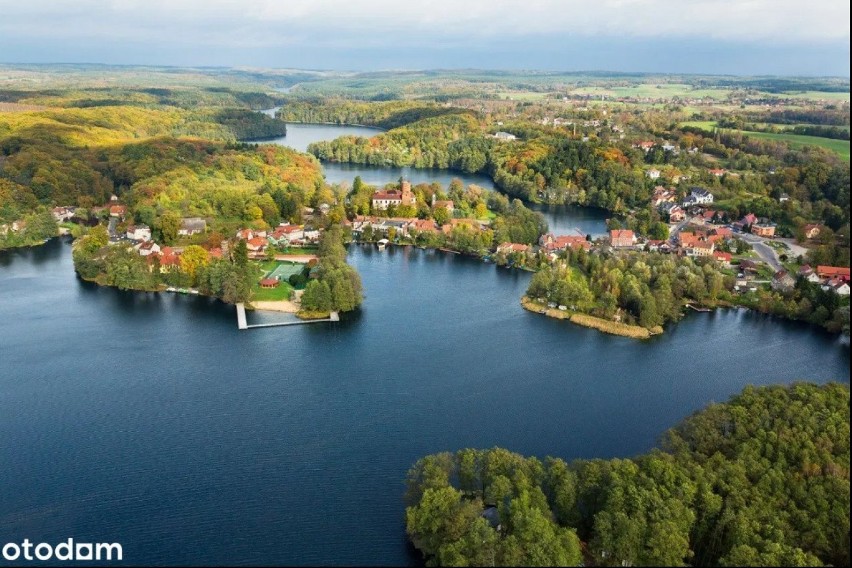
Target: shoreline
{"points": [[585, 320]]}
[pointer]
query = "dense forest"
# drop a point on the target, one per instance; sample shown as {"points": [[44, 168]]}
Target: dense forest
{"points": [[762, 480]]}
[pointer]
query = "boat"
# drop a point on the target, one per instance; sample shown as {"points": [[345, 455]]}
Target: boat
{"points": [[383, 243]]}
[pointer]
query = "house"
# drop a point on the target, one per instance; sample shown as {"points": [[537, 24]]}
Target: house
{"points": [[622, 238], [830, 272], [645, 145], [192, 226], [424, 225], [269, 283], [675, 213], [837, 286], [552, 243], [245, 234], [808, 273], [63, 213], [505, 136], [718, 172], [118, 211], [18, 225], [508, 248], [383, 199], [169, 257], [748, 265], [257, 244], [783, 198], [763, 228], [147, 248], [662, 196], [653, 173], [446, 204], [139, 233], [698, 196], [286, 234], [723, 258], [701, 248], [783, 281], [748, 220], [812, 230]]}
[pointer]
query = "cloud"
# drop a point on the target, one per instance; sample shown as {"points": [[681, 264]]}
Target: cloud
{"points": [[388, 22]]}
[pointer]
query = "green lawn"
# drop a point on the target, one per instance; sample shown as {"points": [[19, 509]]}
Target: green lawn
{"points": [[840, 147], [281, 292]]}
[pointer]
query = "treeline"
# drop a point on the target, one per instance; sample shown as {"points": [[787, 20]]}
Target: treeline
{"points": [[33, 228], [379, 114], [645, 289], [762, 480], [834, 132], [334, 285], [248, 124]]}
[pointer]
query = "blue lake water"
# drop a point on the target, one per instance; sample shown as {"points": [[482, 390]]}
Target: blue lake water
{"points": [[152, 421]]}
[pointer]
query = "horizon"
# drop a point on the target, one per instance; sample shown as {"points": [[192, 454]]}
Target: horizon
{"points": [[699, 37], [412, 70]]}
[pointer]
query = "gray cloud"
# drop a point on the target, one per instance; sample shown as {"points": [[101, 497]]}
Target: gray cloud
{"points": [[67, 28]]}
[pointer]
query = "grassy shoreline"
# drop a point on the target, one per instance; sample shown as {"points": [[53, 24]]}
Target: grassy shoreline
{"points": [[585, 320]]}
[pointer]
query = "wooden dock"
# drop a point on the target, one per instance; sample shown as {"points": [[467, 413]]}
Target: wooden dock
{"points": [[242, 323]]}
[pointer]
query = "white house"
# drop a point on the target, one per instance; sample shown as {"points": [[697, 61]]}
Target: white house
{"points": [[653, 173], [505, 136], [147, 248], [698, 196], [192, 226], [139, 233]]}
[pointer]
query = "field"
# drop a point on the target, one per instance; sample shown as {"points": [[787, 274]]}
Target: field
{"points": [[840, 147], [651, 91], [281, 270]]}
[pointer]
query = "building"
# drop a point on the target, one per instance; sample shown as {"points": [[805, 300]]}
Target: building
{"points": [[763, 228], [147, 248], [63, 213], [508, 248], [830, 272], [700, 248], [837, 286], [505, 136], [718, 172], [269, 283], [653, 173], [446, 204], [396, 197], [675, 212], [256, 244], [645, 145], [553, 243], [662, 196], [622, 238], [698, 196], [192, 226], [139, 233], [783, 281], [118, 211], [723, 258]]}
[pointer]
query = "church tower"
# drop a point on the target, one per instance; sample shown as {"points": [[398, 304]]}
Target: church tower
{"points": [[407, 195]]}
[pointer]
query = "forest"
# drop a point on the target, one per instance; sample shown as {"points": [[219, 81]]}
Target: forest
{"points": [[761, 480]]}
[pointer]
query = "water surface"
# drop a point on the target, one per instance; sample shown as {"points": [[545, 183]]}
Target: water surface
{"points": [[151, 420]]}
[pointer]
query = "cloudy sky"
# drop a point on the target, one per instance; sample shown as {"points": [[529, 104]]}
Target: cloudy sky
{"points": [[692, 36]]}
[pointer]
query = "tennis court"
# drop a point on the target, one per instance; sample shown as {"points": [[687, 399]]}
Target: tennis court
{"points": [[284, 270]]}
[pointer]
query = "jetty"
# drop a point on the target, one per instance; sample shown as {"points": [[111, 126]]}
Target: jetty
{"points": [[242, 322]]}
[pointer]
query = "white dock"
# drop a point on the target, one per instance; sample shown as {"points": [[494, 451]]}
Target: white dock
{"points": [[243, 324]]}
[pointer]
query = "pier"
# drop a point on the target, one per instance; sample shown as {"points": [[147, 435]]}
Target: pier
{"points": [[242, 323]]}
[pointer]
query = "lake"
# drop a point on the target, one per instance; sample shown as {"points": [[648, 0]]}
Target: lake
{"points": [[562, 219], [151, 420]]}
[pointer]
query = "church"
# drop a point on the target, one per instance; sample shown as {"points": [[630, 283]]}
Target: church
{"points": [[396, 197]]}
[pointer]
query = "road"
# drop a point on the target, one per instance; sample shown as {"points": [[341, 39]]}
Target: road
{"points": [[766, 252]]}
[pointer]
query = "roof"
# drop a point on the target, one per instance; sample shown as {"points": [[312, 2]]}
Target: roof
{"points": [[193, 223], [393, 194], [719, 255], [514, 247], [258, 242], [269, 282], [621, 234], [832, 271]]}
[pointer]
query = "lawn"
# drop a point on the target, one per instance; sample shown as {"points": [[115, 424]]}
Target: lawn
{"points": [[281, 292], [840, 147]]}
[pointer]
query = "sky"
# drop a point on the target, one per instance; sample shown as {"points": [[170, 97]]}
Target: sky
{"points": [[741, 37]]}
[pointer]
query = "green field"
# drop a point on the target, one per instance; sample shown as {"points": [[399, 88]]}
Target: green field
{"points": [[661, 91], [281, 292], [840, 147]]}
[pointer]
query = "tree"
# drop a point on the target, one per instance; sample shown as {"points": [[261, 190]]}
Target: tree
{"points": [[192, 259], [441, 215], [169, 225]]}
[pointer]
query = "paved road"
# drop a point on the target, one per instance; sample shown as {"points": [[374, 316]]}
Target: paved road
{"points": [[766, 252]]}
